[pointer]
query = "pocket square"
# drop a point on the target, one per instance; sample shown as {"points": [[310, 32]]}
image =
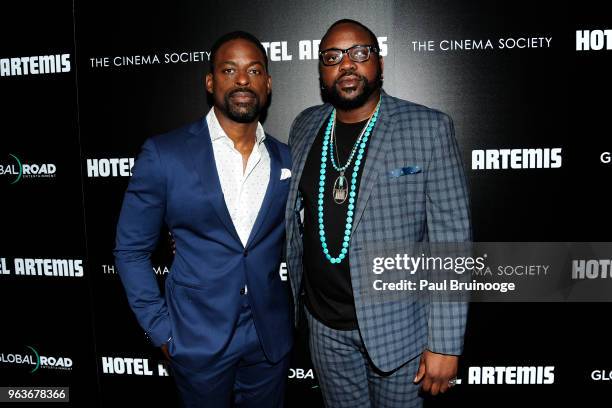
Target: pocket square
{"points": [[285, 174], [402, 171]]}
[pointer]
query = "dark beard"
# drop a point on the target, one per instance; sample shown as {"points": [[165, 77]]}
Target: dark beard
{"points": [[241, 112], [331, 94]]}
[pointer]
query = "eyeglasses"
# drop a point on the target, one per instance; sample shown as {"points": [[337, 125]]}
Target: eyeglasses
{"points": [[357, 53]]}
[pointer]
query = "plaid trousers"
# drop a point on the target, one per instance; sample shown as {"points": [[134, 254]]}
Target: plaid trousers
{"points": [[344, 368]]}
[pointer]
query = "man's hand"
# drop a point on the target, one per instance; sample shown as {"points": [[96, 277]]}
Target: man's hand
{"points": [[435, 370], [164, 349]]}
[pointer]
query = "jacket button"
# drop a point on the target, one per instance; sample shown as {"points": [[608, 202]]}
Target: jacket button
{"points": [[242, 291], [245, 253]]}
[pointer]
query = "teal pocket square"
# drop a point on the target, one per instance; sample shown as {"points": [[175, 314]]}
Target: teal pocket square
{"points": [[402, 171]]}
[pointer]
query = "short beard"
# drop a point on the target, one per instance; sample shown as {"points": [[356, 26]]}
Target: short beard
{"points": [[331, 94], [241, 112]]}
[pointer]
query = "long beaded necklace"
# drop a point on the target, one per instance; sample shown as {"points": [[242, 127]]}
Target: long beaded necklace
{"points": [[340, 189], [341, 184]]}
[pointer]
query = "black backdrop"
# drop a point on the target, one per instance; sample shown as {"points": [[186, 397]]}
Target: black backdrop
{"points": [[104, 107]]}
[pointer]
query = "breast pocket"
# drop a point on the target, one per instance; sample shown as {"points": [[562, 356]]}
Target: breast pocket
{"points": [[402, 179], [404, 171], [400, 193]]}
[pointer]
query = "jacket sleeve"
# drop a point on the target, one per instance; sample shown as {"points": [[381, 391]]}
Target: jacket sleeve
{"points": [[138, 231], [448, 221]]}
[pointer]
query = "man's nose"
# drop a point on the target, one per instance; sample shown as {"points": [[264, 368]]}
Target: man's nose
{"points": [[242, 78], [347, 64]]}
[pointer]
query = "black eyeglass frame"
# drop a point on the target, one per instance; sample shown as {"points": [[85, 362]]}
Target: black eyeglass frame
{"points": [[371, 49]]}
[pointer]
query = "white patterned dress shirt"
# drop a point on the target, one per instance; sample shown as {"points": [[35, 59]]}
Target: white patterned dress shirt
{"points": [[243, 191]]}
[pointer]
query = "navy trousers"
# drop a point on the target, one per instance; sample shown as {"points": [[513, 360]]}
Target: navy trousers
{"points": [[242, 377], [347, 376]]}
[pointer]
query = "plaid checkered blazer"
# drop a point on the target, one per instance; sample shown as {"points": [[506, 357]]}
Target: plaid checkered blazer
{"points": [[430, 205]]}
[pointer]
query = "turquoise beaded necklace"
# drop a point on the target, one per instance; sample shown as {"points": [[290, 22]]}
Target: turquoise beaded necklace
{"points": [[327, 146]]}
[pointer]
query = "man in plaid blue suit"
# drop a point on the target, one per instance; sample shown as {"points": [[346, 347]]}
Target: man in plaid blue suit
{"points": [[411, 187]]}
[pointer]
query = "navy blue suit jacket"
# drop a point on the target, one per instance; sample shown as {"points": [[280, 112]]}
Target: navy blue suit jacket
{"points": [[175, 181]]}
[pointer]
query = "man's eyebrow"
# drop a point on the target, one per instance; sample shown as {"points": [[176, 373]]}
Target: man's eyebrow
{"points": [[229, 62], [338, 48]]}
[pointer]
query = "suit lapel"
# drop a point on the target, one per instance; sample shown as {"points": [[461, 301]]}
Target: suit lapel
{"points": [[269, 197], [203, 160], [375, 158], [307, 138], [304, 139]]}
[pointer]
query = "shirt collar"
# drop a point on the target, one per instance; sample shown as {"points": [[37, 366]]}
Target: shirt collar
{"points": [[217, 132]]}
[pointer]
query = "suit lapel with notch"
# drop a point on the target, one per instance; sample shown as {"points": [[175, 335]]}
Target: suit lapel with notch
{"points": [[200, 152], [375, 157], [270, 196], [304, 139]]}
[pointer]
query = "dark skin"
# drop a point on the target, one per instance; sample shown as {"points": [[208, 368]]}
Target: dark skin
{"points": [[344, 36], [435, 369], [238, 64], [164, 349]]}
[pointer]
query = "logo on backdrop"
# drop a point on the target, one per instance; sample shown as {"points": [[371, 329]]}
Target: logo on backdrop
{"points": [[35, 65], [480, 44], [111, 167], [503, 159], [591, 269], [593, 40], [149, 368], [134, 366], [162, 270], [159, 270], [14, 170], [278, 51], [30, 359], [601, 375], [42, 267], [513, 375], [301, 374]]}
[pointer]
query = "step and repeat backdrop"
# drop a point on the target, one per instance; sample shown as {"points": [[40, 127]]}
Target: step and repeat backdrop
{"points": [[85, 83]]}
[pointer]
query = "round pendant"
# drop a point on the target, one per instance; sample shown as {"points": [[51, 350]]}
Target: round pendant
{"points": [[340, 189]]}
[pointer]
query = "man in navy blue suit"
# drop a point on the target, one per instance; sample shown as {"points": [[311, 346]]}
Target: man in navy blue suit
{"points": [[220, 185]]}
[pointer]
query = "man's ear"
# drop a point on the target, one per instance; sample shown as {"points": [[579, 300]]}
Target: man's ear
{"points": [[208, 82], [269, 84], [382, 65]]}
